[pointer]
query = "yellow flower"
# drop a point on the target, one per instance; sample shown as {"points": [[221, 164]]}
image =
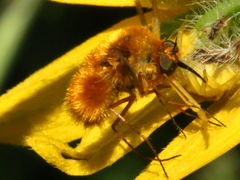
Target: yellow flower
{"points": [[34, 114]]}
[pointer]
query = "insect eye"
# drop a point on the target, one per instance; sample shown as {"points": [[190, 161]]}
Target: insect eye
{"points": [[168, 43], [167, 65], [105, 64], [172, 45]]}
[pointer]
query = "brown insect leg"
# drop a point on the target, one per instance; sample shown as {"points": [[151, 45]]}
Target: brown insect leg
{"points": [[145, 139], [122, 119], [192, 115], [170, 115], [133, 149], [130, 101], [121, 101], [220, 123], [179, 106], [191, 102], [142, 83]]}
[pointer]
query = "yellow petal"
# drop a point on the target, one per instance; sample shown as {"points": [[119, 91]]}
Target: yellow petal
{"points": [[193, 150], [99, 2], [165, 4], [34, 114]]}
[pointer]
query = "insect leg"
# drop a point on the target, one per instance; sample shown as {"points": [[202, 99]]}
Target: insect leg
{"points": [[155, 19], [121, 101], [130, 101], [122, 119], [170, 115], [191, 102], [140, 13], [180, 105]]}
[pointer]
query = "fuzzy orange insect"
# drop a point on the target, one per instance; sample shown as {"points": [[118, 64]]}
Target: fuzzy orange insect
{"points": [[137, 62]]}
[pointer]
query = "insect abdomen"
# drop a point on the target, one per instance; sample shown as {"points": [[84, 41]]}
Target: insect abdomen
{"points": [[89, 96]]}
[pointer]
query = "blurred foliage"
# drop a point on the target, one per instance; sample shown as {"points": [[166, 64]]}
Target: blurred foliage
{"points": [[16, 17], [57, 28]]}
